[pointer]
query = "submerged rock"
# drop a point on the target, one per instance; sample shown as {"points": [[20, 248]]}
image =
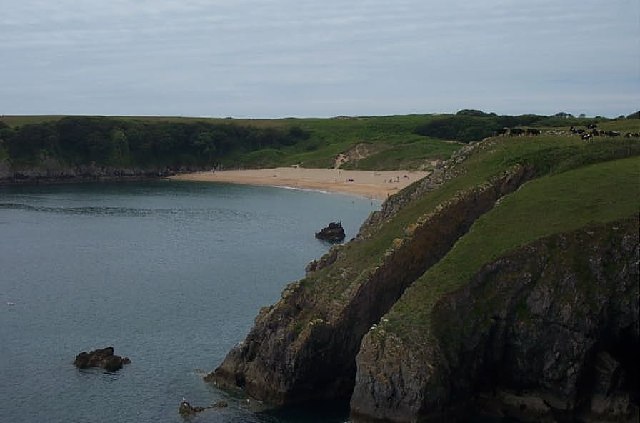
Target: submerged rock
{"points": [[101, 357], [332, 233]]}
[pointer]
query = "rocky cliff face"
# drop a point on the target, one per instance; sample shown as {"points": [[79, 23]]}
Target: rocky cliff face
{"points": [[53, 171], [304, 347], [546, 333]]}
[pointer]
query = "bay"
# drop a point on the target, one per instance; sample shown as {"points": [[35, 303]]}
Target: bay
{"points": [[170, 273]]}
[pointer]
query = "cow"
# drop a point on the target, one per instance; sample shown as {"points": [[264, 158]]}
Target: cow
{"points": [[533, 131]]}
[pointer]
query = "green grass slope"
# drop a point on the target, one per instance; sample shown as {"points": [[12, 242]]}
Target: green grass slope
{"points": [[555, 203], [548, 155]]}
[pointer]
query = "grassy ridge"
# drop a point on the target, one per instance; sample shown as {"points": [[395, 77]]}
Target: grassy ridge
{"points": [[551, 155], [552, 204]]}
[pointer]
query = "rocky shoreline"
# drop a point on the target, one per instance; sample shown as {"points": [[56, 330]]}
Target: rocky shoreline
{"points": [[52, 172]]}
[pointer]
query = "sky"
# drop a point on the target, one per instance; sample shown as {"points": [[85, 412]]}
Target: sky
{"points": [[303, 58]]}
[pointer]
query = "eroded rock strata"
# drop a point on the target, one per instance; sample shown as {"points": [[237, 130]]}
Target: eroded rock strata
{"points": [[546, 333], [304, 347]]}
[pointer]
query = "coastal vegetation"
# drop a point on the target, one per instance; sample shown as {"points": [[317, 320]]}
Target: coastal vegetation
{"points": [[518, 251], [161, 144]]}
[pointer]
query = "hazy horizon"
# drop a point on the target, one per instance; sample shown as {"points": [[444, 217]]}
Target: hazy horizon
{"points": [[251, 59]]}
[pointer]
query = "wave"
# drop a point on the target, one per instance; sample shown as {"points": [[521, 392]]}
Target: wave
{"points": [[93, 211], [304, 189], [127, 211]]}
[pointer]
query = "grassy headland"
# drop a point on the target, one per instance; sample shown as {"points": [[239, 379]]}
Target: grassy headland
{"points": [[364, 143]]}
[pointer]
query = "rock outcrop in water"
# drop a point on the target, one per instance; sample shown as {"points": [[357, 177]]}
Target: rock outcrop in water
{"points": [[103, 358], [334, 232], [185, 409]]}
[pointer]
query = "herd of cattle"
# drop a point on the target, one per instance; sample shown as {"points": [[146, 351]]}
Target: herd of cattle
{"points": [[585, 133]]}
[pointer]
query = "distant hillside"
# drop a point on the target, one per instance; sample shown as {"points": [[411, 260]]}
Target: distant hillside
{"points": [[504, 284], [36, 148]]}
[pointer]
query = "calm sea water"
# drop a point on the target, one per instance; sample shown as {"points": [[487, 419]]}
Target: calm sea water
{"points": [[171, 274]]}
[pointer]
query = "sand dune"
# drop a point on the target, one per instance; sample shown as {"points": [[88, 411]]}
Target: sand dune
{"points": [[371, 184]]}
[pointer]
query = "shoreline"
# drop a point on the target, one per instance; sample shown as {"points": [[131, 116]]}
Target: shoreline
{"points": [[377, 185]]}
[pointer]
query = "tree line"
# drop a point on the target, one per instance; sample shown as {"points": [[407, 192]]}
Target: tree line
{"points": [[121, 143], [474, 125]]}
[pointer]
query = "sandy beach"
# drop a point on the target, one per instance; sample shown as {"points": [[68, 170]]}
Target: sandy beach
{"points": [[370, 184]]}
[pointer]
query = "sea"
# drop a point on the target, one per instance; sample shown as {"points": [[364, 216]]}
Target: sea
{"points": [[169, 273]]}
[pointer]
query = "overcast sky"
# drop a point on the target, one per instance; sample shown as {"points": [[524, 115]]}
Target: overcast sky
{"points": [[279, 58]]}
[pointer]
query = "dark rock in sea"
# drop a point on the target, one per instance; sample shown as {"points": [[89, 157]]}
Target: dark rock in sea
{"points": [[332, 233], [103, 358], [187, 409]]}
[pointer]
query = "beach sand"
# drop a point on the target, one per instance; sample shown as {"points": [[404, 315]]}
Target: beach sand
{"points": [[370, 184]]}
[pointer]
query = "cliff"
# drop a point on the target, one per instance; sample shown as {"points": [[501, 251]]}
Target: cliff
{"points": [[387, 321], [292, 355], [548, 330]]}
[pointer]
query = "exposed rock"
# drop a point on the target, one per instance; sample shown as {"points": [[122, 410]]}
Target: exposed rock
{"points": [[103, 358], [326, 260], [304, 347], [53, 171], [185, 409], [355, 153], [332, 233], [548, 332]]}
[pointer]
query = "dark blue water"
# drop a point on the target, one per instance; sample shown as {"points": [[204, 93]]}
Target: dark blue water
{"points": [[171, 274]]}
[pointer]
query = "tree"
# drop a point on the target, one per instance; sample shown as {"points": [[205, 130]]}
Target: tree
{"points": [[205, 143], [120, 143]]}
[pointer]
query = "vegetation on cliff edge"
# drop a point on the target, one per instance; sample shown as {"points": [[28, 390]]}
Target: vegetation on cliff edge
{"points": [[597, 193]]}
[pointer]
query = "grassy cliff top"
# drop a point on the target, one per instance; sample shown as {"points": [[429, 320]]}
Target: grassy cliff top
{"points": [[577, 183], [555, 203]]}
